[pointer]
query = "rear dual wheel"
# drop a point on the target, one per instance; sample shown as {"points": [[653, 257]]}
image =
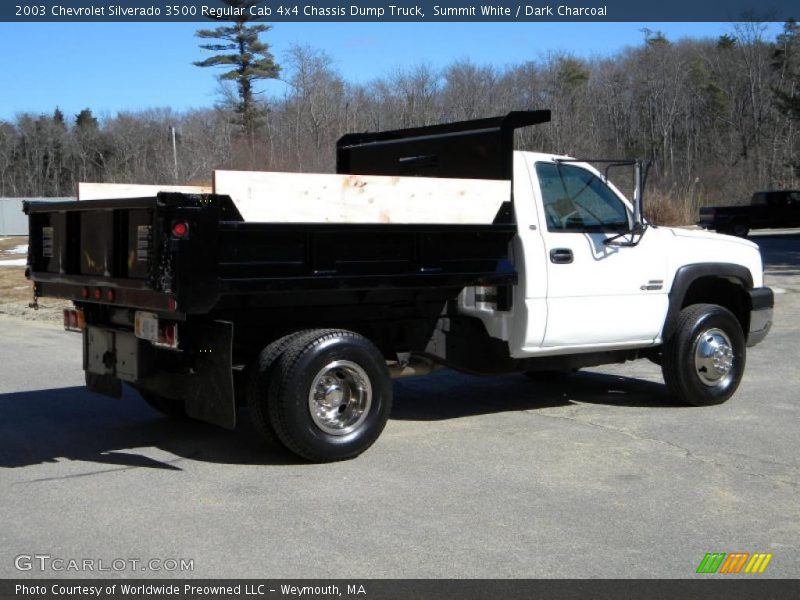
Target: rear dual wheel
{"points": [[323, 394]]}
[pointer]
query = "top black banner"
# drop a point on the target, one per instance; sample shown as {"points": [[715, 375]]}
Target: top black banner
{"points": [[399, 10]]}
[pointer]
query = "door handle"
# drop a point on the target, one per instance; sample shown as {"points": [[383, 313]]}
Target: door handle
{"points": [[561, 256]]}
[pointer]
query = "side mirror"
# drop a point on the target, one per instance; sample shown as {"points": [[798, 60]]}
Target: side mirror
{"points": [[641, 167], [632, 237]]}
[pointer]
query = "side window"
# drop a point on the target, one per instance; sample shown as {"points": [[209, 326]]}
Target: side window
{"points": [[577, 200], [773, 199]]}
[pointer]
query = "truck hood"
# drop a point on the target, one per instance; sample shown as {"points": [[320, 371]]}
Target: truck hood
{"points": [[703, 234], [691, 246]]}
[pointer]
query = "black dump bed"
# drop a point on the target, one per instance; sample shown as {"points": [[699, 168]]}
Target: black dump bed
{"points": [[128, 246], [125, 251]]}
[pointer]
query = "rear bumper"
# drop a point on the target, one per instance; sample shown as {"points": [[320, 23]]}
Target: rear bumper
{"points": [[762, 301], [201, 374]]}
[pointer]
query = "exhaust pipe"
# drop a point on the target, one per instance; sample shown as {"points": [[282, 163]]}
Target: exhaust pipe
{"points": [[412, 366]]}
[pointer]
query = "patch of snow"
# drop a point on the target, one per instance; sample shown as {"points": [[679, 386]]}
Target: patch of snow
{"points": [[21, 249], [14, 262]]}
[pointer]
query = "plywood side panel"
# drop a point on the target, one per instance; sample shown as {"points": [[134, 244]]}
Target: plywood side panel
{"points": [[314, 198], [107, 191]]}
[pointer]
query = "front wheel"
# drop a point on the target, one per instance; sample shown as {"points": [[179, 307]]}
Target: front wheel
{"points": [[330, 395], [703, 361]]}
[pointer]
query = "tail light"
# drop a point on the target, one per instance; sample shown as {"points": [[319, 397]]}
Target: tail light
{"points": [[147, 326], [110, 295], [98, 293], [180, 229], [74, 320], [167, 334]]}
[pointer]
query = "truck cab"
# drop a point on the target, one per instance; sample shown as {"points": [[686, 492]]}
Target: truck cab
{"points": [[595, 289], [584, 292]]}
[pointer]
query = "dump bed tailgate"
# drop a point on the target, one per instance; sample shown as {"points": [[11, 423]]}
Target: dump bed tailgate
{"points": [[97, 251]]}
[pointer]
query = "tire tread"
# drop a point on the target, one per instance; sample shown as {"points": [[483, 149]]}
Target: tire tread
{"points": [[677, 385], [286, 372], [258, 384]]}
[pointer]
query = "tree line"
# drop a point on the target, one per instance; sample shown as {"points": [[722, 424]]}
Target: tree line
{"points": [[719, 118]]}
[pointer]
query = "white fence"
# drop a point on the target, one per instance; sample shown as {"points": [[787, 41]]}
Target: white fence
{"points": [[12, 220]]}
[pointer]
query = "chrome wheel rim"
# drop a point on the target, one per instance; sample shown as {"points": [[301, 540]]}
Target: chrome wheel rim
{"points": [[340, 397], [713, 358]]}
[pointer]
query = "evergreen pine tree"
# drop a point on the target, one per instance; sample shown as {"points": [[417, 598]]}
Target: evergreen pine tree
{"points": [[249, 58]]}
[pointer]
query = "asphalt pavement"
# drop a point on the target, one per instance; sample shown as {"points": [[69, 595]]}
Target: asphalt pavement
{"points": [[598, 476]]}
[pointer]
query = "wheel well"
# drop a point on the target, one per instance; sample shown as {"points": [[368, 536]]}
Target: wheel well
{"points": [[723, 292]]}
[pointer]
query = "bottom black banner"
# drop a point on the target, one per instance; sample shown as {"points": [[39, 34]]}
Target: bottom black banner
{"points": [[400, 589]]}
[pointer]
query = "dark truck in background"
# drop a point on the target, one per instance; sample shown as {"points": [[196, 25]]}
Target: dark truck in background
{"points": [[767, 210]]}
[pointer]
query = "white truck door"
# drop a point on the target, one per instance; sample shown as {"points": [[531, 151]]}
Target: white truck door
{"points": [[597, 294]]}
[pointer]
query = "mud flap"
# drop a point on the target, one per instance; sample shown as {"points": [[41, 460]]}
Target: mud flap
{"points": [[108, 385], [206, 388], [208, 393]]}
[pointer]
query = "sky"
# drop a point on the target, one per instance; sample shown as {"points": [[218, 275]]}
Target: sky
{"points": [[112, 67]]}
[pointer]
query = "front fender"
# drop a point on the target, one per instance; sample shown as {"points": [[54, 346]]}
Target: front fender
{"points": [[688, 274]]}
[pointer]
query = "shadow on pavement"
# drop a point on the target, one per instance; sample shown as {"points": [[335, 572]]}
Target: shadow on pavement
{"points": [[450, 395], [73, 424], [780, 252]]}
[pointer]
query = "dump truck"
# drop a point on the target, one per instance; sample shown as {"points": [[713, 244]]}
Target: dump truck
{"points": [[302, 296]]}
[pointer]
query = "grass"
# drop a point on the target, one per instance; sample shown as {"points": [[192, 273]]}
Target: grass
{"points": [[661, 209], [9, 243], [13, 285]]}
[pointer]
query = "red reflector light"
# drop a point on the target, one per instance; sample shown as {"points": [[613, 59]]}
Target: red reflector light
{"points": [[74, 320], [180, 229], [85, 292], [98, 293], [172, 304], [167, 334], [110, 295]]}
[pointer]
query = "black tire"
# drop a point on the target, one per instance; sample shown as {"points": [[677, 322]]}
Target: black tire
{"points": [[346, 359], [740, 228], [257, 393], [684, 372], [169, 407]]}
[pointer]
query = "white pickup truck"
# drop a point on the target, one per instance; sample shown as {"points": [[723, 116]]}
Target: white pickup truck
{"points": [[509, 262]]}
